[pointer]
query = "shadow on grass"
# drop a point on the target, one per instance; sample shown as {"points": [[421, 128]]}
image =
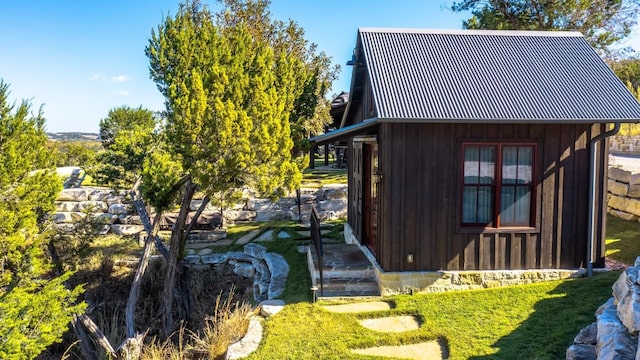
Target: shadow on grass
{"points": [[551, 328]]}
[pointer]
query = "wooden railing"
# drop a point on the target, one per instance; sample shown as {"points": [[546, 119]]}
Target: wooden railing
{"points": [[316, 239]]}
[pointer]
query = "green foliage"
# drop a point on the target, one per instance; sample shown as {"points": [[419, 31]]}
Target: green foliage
{"points": [[75, 153], [229, 96], [34, 309], [602, 22], [128, 135], [159, 173]]}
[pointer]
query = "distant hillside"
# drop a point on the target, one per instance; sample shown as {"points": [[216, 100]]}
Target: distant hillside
{"points": [[73, 136]]}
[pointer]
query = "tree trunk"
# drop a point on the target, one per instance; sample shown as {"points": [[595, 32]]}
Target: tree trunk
{"points": [[134, 292], [175, 245]]}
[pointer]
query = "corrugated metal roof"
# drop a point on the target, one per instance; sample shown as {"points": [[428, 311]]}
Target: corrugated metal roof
{"points": [[493, 76]]}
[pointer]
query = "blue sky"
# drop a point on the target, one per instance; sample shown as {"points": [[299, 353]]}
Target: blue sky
{"points": [[79, 59]]}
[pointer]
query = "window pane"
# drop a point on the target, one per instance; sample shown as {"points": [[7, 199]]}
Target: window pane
{"points": [[471, 166], [509, 164], [523, 205], [485, 204], [525, 164], [507, 197], [469, 205], [515, 205], [487, 164]]}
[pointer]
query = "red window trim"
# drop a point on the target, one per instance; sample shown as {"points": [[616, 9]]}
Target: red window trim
{"points": [[494, 224]]}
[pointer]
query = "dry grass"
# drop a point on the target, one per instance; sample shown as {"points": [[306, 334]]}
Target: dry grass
{"points": [[228, 324]]}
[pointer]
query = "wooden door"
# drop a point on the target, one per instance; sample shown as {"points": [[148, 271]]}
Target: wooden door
{"points": [[370, 189]]}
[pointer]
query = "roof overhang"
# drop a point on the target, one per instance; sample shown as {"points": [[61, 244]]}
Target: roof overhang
{"points": [[505, 121], [344, 132]]}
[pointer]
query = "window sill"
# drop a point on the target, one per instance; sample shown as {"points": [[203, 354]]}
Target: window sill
{"points": [[492, 230]]}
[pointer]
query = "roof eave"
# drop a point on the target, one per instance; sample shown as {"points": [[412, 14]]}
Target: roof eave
{"points": [[344, 132]]}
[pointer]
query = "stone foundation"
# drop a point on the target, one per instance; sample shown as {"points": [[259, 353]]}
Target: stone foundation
{"points": [[403, 282]]}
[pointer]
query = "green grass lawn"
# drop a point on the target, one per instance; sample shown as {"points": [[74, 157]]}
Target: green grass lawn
{"points": [[623, 240], [317, 178], [537, 321]]}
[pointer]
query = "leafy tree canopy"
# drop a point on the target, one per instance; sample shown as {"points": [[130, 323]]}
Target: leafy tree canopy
{"points": [[34, 308], [127, 135], [602, 22]]}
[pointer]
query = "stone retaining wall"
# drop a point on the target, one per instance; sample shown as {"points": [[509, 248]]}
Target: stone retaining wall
{"points": [[624, 144], [623, 199], [614, 335], [112, 212]]}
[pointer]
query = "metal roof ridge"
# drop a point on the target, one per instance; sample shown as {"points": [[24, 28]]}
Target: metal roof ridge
{"points": [[537, 33]]}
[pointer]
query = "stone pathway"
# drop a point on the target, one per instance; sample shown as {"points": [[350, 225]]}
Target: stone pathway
{"points": [[430, 350]]}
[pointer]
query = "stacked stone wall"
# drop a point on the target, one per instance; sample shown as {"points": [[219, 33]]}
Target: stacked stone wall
{"points": [[623, 198], [624, 144], [111, 211]]}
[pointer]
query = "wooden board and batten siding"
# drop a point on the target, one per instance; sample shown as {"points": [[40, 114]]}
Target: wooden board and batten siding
{"points": [[419, 198]]}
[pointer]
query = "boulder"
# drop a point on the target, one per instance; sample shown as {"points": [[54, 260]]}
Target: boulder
{"points": [[627, 295], [255, 250], [279, 270], [67, 206], [623, 215], [271, 307], [287, 202], [614, 342], [336, 193], [581, 352], [104, 218], [335, 205], [92, 206], [125, 230], [67, 217], [76, 194], [215, 258], [634, 191], [129, 219], [263, 216], [620, 175], [259, 204], [617, 188], [245, 270], [239, 215], [634, 179], [119, 209], [633, 207]]}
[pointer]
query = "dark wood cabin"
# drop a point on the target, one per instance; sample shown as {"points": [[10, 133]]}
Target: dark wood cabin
{"points": [[471, 150]]}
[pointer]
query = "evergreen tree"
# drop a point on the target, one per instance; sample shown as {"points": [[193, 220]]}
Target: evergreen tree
{"points": [[602, 22], [35, 309], [127, 135], [230, 90]]}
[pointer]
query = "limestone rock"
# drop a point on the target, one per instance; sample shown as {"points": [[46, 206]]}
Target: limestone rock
{"points": [[271, 307], [618, 202], [623, 215], [245, 270], [279, 271], [126, 230], [249, 343], [192, 259], [104, 218], [262, 216], [287, 202], [92, 206], [634, 179], [336, 193], [620, 175], [581, 352], [261, 280], [634, 191], [76, 194], [67, 206], [67, 217], [119, 209], [129, 219], [588, 335], [255, 250], [239, 215], [234, 256], [627, 294], [633, 206], [617, 188], [259, 204], [214, 258], [614, 342], [335, 205]]}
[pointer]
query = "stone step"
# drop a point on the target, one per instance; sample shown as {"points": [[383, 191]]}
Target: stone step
{"points": [[343, 287], [358, 273]]}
